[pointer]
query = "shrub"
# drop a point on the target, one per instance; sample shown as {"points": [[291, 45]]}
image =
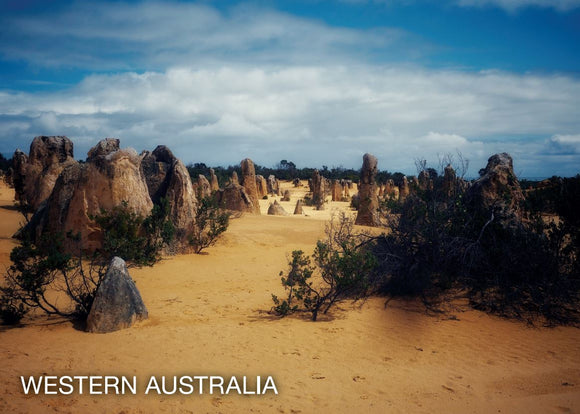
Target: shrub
{"points": [[137, 240], [343, 269], [11, 310], [37, 269], [355, 202], [211, 222], [42, 267], [513, 268]]}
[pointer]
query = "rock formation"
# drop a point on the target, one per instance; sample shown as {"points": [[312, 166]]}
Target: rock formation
{"points": [[423, 180], [249, 183], [234, 198], [203, 186], [298, 208], [391, 190], [276, 209], [261, 186], [234, 179], [286, 196], [336, 190], [273, 185], [213, 181], [317, 190], [498, 188], [35, 176], [449, 181], [404, 190], [168, 178], [369, 204], [118, 304], [19, 166], [109, 178], [346, 190], [103, 148]]}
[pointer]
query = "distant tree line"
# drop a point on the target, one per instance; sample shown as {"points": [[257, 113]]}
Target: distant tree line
{"points": [[287, 170], [5, 163]]}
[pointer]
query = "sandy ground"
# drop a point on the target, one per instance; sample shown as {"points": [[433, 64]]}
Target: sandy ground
{"points": [[208, 317]]}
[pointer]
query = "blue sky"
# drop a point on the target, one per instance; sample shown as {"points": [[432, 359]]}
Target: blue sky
{"points": [[318, 82]]}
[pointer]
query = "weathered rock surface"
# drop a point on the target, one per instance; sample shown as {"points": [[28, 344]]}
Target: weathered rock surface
{"points": [[103, 148], [286, 196], [155, 166], [118, 303], [234, 198], [498, 188], [249, 183], [391, 190], [111, 177], [275, 209], [298, 208], [34, 176], [346, 189], [318, 190], [369, 204], [19, 164], [449, 181], [423, 180], [273, 185], [167, 177], [404, 190], [105, 181], [234, 179], [336, 190], [203, 186], [261, 186], [213, 180]]}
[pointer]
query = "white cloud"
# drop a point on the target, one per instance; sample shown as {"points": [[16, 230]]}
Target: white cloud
{"points": [[220, 86], [156, 35], [314, 115], [564, 144]]}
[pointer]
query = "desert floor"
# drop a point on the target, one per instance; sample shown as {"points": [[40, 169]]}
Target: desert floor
{"points": [[208, 316]]}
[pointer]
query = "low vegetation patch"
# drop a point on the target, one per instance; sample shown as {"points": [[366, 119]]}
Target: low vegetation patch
{"points": [[440, 242], [211, 222], [41, 270], [341, 269]]}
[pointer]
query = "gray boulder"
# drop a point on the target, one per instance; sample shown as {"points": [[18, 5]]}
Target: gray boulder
{"points": [[118, 304]]}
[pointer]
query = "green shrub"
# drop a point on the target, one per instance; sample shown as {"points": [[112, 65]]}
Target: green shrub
{"points": [[342, 269], [137, 240], [43, 266], [11, 310], [517, 269], [210, 223]]}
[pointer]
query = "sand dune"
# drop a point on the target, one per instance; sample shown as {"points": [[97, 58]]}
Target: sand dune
{"points": [[208, 316]]}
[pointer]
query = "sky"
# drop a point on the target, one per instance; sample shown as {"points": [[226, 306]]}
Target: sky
{"points": [[316, 82]]}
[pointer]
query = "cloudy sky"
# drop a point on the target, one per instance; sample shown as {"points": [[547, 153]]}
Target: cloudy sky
{"points": [[317, 82]]}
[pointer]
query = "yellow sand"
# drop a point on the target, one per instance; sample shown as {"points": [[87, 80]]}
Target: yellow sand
{"points": [[208, 317]]}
